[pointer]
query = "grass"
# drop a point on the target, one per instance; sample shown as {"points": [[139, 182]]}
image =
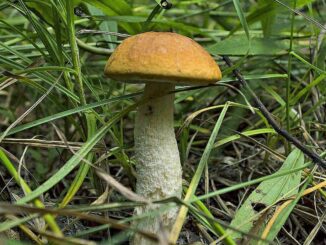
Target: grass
{"points": [[61, 121]]}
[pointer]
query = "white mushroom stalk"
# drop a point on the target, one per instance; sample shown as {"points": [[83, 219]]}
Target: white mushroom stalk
{"points": [[157, 158]]}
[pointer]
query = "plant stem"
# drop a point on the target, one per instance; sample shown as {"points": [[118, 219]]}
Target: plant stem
{"points": [[90, 117], [74, 50], [288, 83]]}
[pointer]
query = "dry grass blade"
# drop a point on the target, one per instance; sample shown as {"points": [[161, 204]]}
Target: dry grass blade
{"points": [[85, 31], [273, 153], [313, 233], [120, 188], [6, 208], [30, 109], [287, 203], [55, 239], [48, 143]]}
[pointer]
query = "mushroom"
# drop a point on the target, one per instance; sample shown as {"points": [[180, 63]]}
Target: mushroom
{"points": [[160, 60]]}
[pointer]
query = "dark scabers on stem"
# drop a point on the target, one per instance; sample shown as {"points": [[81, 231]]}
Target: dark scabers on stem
{"points": [[312, 155]]}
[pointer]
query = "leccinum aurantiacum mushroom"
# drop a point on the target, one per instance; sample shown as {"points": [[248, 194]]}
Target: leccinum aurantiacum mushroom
{"points": [[160, 60]]}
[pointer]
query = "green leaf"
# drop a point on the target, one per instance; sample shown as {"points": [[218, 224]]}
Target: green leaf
{"points": [[284, 214], [117, 8], [269, 17], [242, 18], [106, 26], [238, 45], [250, 218]]}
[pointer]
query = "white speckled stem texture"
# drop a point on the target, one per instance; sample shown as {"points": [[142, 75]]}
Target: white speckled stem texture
{"points": [[157, 157]]}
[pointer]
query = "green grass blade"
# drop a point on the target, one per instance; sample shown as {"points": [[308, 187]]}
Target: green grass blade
{"points": [[196, 178], [27, 190], [68, 113], [76, 159]]}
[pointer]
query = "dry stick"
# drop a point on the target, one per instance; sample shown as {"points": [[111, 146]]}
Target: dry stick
{"points": [[314, 156]]}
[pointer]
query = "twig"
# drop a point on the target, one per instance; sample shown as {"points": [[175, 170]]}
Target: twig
{"points": [[117, 34], [312, 155]]}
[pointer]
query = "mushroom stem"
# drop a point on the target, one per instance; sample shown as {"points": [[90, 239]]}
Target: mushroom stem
{"points": [[157, 158]]}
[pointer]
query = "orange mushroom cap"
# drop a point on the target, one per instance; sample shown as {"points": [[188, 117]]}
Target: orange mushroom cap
{"points": [[162, 57]]}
